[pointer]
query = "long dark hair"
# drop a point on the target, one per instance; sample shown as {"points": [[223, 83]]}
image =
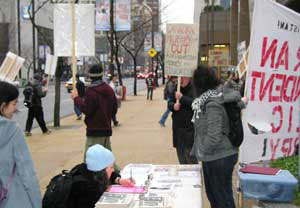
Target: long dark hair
{"points": [[8, 93], [204, 79], [101, 178]]}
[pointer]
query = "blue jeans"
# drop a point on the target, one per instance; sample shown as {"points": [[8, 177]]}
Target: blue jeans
{"points": [[77, 111], [218, 181], [164, 116]]}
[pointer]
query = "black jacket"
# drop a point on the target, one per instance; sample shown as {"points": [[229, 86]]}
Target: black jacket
{"points": [[182, 126], [80, 88], [86, 193]]}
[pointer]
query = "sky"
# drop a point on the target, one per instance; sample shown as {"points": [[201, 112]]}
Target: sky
{"points": [[177, 11]]}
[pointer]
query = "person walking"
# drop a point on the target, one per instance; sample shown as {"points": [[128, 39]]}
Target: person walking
{"points": [[97, 174], [150, 86], [81, 90], [183, 129], [99, 105], [169, 89], [118, 93], [17, 174], [35, 110], [212, 145]]}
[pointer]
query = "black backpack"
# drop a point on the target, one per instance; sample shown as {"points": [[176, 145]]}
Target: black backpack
{"points": [[28, 93], [59, 189], [236, 132]]}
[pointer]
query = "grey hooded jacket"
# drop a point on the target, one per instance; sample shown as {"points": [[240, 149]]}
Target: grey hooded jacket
{"points": [[24, 189], [211, 128]]}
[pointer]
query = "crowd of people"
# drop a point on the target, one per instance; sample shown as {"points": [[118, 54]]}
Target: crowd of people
{"points": [[199, 127]]}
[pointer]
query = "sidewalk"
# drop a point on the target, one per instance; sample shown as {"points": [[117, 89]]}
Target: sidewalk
{"points": [[139, 139]]}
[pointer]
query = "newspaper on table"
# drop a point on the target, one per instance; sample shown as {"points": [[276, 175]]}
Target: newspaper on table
{"points": [[11, 66], [114, 200]]}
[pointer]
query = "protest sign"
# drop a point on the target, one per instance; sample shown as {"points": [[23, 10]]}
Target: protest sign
{"points": [[181, 51], [271, 121], [51, 62], [84, 26], [11, 66]]}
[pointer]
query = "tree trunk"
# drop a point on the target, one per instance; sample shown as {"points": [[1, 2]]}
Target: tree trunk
{"points": [[134, 74], [233, 31]]}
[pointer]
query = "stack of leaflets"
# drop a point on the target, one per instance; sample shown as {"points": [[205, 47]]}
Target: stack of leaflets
{"points": [[114, 200], [152, 202]]}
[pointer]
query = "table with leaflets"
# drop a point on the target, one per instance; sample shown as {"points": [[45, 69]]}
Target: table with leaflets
{"points": [[157, 186]]}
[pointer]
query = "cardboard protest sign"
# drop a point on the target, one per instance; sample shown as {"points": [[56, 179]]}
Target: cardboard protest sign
{"points": [[11, 66], [243, 65], [271, 122], [181, 51], [84, 26], [51, 63]]}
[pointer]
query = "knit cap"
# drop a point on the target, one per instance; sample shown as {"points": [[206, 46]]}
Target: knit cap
{"points": [[98, 158]]}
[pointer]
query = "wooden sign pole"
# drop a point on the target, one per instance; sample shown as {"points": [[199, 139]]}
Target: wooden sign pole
{"points": [[74, 69]]}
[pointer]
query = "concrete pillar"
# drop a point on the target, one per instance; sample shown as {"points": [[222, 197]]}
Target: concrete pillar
{"points": [[233, 32]]}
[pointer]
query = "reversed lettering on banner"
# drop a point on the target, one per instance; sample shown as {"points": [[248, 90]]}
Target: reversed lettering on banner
{"points": [[271, 121]]}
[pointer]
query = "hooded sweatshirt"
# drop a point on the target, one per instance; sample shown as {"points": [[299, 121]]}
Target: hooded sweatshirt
{"points": [[24, 189], [211, 125], [99, 105]]}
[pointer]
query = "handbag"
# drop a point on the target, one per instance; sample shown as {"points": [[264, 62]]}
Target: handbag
{"points": [[4, 190]]}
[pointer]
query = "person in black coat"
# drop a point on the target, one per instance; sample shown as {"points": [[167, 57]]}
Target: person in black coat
{"points": [[97, 173], [183, 129], [81, 91]]}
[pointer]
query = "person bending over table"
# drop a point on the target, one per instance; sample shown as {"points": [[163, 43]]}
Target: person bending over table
{"points": [[96, 174]]}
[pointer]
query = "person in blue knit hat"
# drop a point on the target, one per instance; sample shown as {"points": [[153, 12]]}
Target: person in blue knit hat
{"points": [[97, 174]]}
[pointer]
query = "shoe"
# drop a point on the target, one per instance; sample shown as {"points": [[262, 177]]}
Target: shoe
{"points": [[79, 117], [27, 133], [117, 124], [47, 132], [161, 124]]}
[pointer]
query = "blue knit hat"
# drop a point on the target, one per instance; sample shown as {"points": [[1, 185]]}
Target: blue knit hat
{"points": [[98, 158]]}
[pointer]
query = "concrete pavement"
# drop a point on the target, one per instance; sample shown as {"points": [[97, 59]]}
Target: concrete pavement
{"points": [[139, 139]]}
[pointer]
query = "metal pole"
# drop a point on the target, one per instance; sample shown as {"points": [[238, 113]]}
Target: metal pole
{"points": [[19, 33], [33, 36], [74, 69], [152, 39]]}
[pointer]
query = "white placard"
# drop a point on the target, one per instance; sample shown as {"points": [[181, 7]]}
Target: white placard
{"points": [[51, 63], [271, 123], [11, 66], [181, 51], [85, 30]]}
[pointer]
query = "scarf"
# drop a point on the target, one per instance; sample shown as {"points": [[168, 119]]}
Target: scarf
{"points": [[200, 101]]}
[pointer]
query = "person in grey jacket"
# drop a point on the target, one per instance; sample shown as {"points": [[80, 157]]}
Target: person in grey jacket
{"points": [[17, 173], [211, 143]]}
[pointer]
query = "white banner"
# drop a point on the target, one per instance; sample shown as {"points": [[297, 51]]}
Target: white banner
{"points": [[102, 15], [271, 123], [51, 63], [148, 42], [158, 41], [181, 51], [85, 30], [121, 16]]}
